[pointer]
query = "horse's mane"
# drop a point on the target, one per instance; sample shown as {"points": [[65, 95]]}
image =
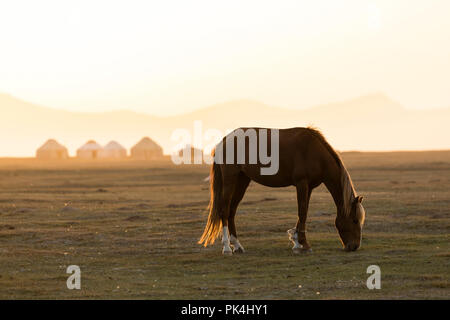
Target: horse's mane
{"points": [[348, 190]]}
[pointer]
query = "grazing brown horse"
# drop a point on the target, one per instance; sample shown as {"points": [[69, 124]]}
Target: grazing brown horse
{"points": [[305, 160]]}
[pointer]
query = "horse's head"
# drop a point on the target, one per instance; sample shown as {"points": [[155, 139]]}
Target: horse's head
{"points": [[350, 226]]}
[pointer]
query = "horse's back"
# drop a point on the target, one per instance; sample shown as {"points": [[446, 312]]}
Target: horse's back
{"points": [[295, 156]]}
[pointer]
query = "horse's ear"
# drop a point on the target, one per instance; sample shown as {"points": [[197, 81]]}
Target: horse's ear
{"points": [[359, 199]]}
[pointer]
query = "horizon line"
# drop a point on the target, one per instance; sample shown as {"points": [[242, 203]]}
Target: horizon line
{"points": [[168, 155]]}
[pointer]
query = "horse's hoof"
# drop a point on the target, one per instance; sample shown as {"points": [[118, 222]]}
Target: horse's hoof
{"points": [[239, 250], [301, 250], [227, 253]]}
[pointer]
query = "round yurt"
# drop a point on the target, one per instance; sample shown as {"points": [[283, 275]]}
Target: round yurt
{"points": [[91, 150], [146, 149], [193, 155], [52, 150], [114, 150]]}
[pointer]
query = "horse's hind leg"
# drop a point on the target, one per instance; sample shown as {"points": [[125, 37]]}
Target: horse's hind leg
{"points": [[238, 194], [228, 190]]}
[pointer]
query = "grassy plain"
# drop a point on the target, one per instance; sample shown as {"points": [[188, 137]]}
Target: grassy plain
{"points": [[132, 227]]}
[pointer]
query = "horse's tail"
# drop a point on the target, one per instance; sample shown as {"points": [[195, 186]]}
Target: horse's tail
{"points": [[214, 224]]}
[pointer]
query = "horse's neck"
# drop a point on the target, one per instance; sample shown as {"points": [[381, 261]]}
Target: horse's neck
{"points": [[335, 187]]}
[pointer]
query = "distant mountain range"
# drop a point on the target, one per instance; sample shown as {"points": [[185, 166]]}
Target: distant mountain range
{"points": [[371, 122]]}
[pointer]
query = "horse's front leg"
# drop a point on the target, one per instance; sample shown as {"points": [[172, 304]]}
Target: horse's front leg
{"points": [[298, 235], [293, 236]]}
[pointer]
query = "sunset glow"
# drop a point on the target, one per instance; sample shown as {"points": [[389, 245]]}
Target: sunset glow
{"points": [[172, 57]]}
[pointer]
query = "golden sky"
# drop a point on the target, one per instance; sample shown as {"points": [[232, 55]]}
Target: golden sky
{"points": [[170, 57]]}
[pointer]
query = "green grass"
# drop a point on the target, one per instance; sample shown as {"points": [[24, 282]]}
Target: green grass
{"points": [[132, 227]]}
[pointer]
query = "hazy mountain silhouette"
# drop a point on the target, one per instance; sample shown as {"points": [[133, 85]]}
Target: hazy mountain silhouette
{"points": [[371, 122]]}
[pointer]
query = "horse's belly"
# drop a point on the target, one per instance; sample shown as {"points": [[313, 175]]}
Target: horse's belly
{"points": [[277, 180]]}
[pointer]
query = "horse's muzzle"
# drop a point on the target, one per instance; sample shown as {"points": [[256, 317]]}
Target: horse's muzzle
{"points": [[351, 247]]}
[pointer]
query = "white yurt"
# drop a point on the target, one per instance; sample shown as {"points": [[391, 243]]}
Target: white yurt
{"points": [[90, 150], [114, 150], [146, 149], [52, 150]]}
